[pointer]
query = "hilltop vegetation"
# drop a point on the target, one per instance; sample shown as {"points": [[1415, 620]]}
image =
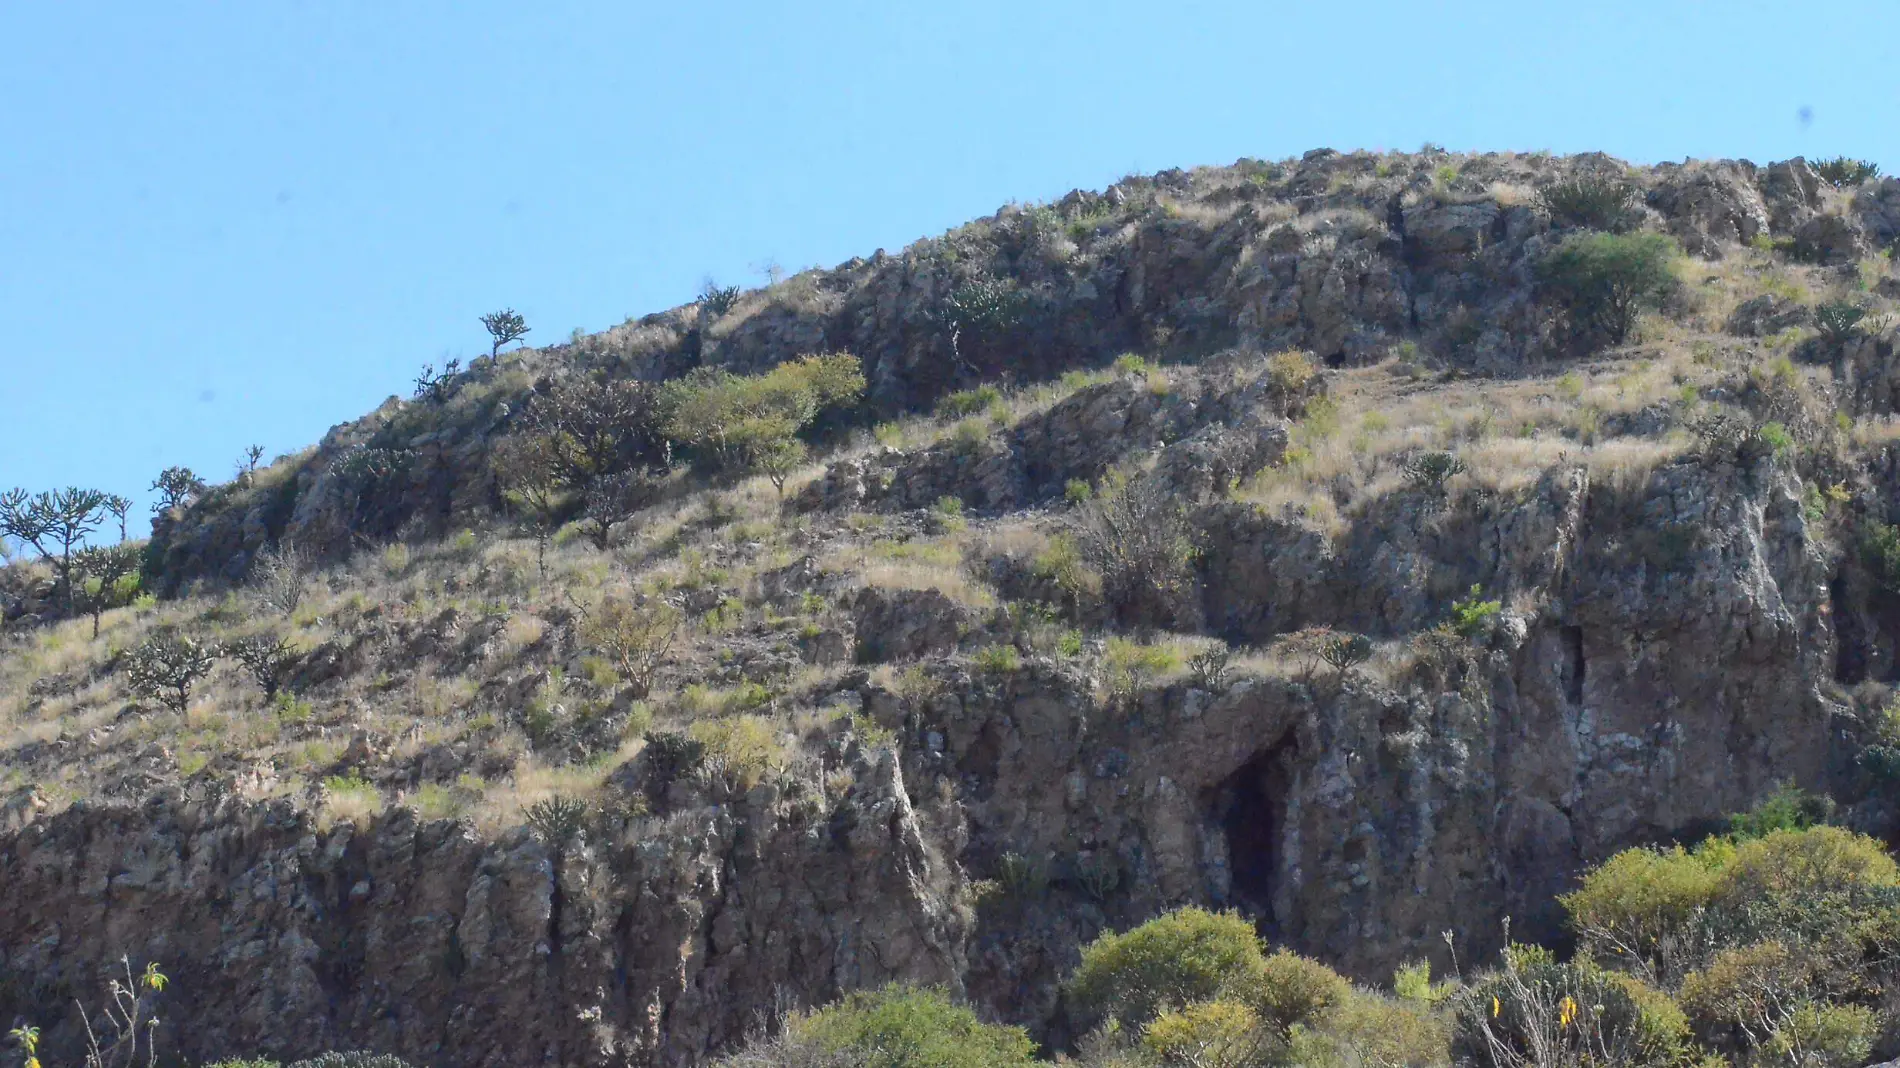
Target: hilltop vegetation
{"points": [[1374, 545]]}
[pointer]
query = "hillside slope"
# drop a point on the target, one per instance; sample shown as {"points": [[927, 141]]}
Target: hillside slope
{"points": [[1262, 536]]}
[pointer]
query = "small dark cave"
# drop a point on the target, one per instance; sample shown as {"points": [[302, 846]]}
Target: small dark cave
{"points": [[1850, 640], [1251, 807]]}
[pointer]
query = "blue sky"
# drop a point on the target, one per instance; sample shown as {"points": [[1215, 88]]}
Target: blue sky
{"points": [[244, 222]]}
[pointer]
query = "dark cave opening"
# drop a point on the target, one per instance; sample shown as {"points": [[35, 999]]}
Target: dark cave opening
{"points": [[1251, 804]]}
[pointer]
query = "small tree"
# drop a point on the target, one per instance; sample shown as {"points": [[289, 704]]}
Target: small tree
{"points": [[55, 523], [118, 507], [267, 658], [614, 499], [107, 577], [176, 487], [504, 326], [530, 479], [1429, 472], [636, 637], [1602, 282], [778, 461], [165, 668]]}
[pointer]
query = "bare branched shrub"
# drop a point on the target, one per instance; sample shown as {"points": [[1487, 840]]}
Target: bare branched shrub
{"points": [[278, 575], [1137, 536], [636, 637], [268, 659]]}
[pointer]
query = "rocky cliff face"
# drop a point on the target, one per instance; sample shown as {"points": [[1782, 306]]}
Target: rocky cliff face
{"points": [[1343, 255], [1649, 687], [1685, 623]]}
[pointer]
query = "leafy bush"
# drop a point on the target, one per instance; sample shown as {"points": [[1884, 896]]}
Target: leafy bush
{"points": [[1880, 549], [1634, 909], [1210, 666], [1602, 282], [1131, 665], [1290, 372], [672, 756], [556, 820], [904, 1027], [1295, 991], [1842, 171], [1788, 808], [1590, 201], [1223, 1033], [969, 402], [1368, 1031], [1178, 959], [997, 659], [740, 421], [1818, 860], [740, 749], [267, 658], [1471, 617]]}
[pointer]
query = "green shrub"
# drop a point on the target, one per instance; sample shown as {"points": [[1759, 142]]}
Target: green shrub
{"points": [[1788, 808], [1428, 472], [1811, 862], [1131, 666], [1631, 908], [965, 403], [1368, 1031], [1222, 1033], [1590, 201], [1297, 992], [166, 666], [741, 749], [1290, 372], [1842, 171], [1471, 617], [997, 659], [1178, 959], [903, 1027], [1880, 548], [1602, 282]]}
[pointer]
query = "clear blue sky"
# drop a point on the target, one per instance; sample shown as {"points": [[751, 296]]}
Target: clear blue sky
{"points": [[244, 222]]}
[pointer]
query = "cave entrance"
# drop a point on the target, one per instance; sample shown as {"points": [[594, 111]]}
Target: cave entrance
{"points": [[1251, 806]]}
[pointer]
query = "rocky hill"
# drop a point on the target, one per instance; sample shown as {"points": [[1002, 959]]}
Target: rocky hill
{"points": [[1343, 540]]}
